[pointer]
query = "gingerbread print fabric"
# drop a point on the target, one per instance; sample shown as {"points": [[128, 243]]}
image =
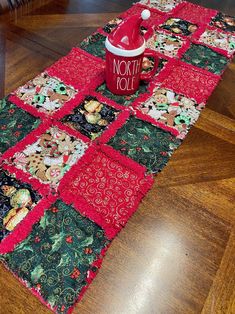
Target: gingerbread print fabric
{"points": [[162, 5], [76, 160], [218, 39], [45, 93], [50, 157], [174, 110], [166, 44]]}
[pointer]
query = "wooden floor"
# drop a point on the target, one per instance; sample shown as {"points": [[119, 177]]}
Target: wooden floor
{"points": [[177, 253]]}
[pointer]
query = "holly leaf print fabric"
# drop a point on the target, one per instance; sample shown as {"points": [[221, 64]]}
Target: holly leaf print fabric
{"points": [[173, 110], [50, 157], [15, 124], [145, 143], [95, 45], [45, 93], [16, 200], [205, 58], [58, 258], [91, 117]]}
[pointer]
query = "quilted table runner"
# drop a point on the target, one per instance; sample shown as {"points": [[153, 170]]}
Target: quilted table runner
{"points": [[76, 160]]}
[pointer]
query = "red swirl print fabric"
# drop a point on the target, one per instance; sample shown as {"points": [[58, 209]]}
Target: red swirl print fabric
{"points": [[78, 69], [109, 190], [191, 81], [195, 13]]}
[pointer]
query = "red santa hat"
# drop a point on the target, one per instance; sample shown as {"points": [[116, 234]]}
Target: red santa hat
{"points": [[126, 39]]}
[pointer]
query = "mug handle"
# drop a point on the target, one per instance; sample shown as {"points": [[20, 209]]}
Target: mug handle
{"points": [[147, 76]]}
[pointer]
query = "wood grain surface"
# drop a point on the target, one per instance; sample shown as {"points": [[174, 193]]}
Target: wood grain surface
{"points": [[177, 253]]}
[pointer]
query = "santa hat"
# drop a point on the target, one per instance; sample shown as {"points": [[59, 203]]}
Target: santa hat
{"points": [[126, 39]]}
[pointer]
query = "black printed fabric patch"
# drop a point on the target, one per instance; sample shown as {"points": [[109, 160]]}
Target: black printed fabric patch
{"points": [[16, 200], [224, 22], [91, 117], [179, 27]]}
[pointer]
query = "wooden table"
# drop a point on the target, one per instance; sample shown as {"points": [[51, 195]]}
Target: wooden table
{"points": [[177, 253]]}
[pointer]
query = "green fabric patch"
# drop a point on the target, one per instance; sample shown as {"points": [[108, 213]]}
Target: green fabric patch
{"points": [[205, 58], [15, 124], [122, 100], [56, 256], [145, 143], [94, 44]]}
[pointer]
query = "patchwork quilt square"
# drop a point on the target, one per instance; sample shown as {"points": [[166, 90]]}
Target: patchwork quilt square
{"points": [[224, 22], [173, 110], [60, 257], [107, 188], [78, 69], [179, 26], [205, 58], [219, 39], [165, 43], [145, 143], [47, 94], [162, 5], [15, 124], [190, 81], [95, 45], [49, 155], [17, 199], [124, 100], [91, 117], [195, 13]]}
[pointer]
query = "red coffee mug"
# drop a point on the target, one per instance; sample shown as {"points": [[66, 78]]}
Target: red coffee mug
{"points": [[123, 73]]}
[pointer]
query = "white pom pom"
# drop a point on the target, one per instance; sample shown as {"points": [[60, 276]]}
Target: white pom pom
{"points": [[145, 14]]}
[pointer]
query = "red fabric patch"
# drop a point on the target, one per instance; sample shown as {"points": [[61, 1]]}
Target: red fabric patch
{"points": [[79, 69], [188, 80], [106, 187], [195, 13], [156, 18]]}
